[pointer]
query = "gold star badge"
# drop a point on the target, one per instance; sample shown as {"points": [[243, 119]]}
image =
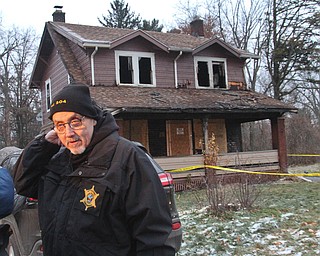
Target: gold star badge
{"points": [[90, 197]]}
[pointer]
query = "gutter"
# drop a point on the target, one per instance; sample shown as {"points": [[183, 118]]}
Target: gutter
{"points": [[92, 65], [175, 70], [117, 111]]}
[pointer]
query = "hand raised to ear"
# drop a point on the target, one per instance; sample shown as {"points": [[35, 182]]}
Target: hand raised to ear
{"points": [[53, 138]]}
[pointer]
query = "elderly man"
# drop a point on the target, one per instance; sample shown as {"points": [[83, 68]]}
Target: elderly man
{"points": [[98, 193]]}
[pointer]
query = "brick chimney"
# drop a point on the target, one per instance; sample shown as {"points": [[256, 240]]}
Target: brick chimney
{"points": [[58, 15], [197, 28]]}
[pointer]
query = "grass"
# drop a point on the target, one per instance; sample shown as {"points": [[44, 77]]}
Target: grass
{"points": [[284, 221]]}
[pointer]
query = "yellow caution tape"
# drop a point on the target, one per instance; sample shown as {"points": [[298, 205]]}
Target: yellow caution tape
{"points": [[303, 155], [189, 168]]}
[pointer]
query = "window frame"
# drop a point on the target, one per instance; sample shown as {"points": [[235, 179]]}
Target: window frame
{"points": [[135, 67], [210, 60], [48, 93]]}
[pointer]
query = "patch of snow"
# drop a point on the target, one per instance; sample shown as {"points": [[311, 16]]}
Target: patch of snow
{"points": [[286, 216]]}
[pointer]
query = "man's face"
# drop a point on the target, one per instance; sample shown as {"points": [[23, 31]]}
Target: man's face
{"points": [[74, 130]]}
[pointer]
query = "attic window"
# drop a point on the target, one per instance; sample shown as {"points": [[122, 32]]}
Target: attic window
{"points": [[210, 72], [135, 68]]}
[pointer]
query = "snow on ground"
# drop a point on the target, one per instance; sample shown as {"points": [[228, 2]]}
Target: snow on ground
{"points": [[207, 236], [247, 235]]}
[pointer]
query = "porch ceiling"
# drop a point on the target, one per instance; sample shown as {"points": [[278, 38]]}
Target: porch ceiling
{"points": [[186, 101]]}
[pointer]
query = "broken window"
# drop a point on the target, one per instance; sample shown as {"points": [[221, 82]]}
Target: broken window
{"points": [[203, 74], [145, 72], [126, 71], [210, 73], [135, 68]]}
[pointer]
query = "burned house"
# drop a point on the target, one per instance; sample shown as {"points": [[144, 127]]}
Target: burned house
{"points": [[169, 91]]}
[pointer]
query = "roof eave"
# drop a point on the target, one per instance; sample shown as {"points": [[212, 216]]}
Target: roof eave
{"points": [[143, 34], [93, 44], [32, 84], [178, 49], [225, 46], [206, 110]]}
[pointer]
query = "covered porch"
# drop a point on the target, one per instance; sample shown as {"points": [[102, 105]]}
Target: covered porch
{"points": [[175, 124]]}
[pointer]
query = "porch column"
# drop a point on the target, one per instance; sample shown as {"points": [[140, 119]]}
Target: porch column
{"points": [[205, 133], [279, 141]]}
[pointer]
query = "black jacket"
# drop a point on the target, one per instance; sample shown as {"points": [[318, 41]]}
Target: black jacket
{"points": [[107, 201]]}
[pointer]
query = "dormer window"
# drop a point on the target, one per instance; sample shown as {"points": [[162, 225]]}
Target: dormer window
{"points": [[135, 68], [210, 72]]}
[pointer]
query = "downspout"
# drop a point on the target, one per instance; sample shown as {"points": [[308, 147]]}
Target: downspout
{"points": [[92, 65], [175, 70]]}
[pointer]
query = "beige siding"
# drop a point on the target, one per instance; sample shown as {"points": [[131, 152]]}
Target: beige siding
{"points": [[83, 58], [104, 63], [185, 70], [234, 65], [58, 76]]}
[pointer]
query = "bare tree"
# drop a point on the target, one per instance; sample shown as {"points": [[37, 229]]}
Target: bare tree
{"points": [[291, 43], [308, 96], [8, 44], [19, 104], [303, 137], [241, 23], [187, 12]]}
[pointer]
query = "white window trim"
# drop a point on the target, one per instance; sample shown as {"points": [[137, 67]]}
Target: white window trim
{"points": [[135, 56], [48, 81], [209, 59]]}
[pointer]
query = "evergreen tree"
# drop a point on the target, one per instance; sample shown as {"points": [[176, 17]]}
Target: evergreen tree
{"points": [[152, 25], [120, 16]]}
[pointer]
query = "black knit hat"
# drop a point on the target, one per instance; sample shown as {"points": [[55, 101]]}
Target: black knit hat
{"points": [[74, 98]]}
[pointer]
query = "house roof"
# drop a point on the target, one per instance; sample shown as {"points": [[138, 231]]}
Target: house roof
{"points": [[92, 36], [165, 100], [150, 99], [57, 34]]}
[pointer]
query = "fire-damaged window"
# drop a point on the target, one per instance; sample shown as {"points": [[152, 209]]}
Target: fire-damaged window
{"points": [[135, 68], [210, 72]]}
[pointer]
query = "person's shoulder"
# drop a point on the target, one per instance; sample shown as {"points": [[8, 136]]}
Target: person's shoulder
{"points": [[4, 174], [6, 192], [130, 145]]}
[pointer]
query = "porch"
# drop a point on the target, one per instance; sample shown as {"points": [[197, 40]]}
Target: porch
{"points": [[259, 161]]}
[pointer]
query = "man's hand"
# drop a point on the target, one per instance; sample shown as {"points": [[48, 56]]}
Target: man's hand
{"points": [[53, 138]]}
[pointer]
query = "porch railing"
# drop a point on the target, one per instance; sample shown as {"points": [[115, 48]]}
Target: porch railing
{"points": [[253, 161], [257, 160]]}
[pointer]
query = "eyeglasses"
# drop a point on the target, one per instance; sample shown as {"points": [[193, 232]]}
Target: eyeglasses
{"points": [[75, 124]]}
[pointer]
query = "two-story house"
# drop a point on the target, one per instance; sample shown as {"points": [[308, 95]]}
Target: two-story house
{"points": [[168, 91]]}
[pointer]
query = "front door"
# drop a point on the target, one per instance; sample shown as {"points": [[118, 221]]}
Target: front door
{"points": [[157, 137], [179, 137]]}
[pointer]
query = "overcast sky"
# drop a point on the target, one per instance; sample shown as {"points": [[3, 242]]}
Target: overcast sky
{"points": [[34, 13]]}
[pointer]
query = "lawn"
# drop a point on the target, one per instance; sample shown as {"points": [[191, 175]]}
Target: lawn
{"points": [[284, 220]]}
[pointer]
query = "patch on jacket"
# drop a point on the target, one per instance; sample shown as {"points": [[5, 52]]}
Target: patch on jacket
{"points": [[90, 196]]}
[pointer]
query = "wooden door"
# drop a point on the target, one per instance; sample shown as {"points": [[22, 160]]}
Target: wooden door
{"points": [[179, 137]]}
